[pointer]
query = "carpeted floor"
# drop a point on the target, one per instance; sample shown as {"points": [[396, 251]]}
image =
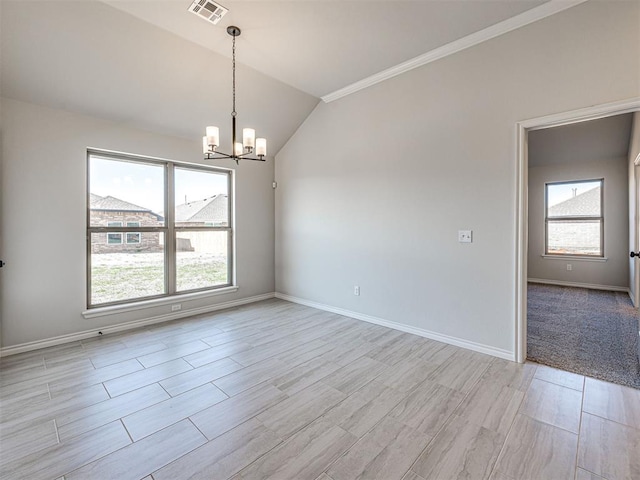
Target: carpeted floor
{"points": [[590, 332]]}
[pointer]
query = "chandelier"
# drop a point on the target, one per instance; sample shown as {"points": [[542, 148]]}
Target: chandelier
{"points": [[249, 144]]}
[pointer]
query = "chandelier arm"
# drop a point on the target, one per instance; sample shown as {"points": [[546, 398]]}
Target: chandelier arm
{"points": [[212, 155], [228, 155], [220, 155], [251, 158]]}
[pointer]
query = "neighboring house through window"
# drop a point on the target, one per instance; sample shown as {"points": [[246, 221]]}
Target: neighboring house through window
{"points": [[155, 228], [574, 218]]}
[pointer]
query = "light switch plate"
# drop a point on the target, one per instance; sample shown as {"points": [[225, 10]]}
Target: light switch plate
{"points": [[465, 236]]}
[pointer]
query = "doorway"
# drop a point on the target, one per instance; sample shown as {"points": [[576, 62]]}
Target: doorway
{"points": [[522, 246]]}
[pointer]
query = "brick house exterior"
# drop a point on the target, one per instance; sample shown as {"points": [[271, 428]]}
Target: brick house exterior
{"points": [[110, 211]]}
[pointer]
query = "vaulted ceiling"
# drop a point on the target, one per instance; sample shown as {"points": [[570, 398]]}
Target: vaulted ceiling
{"points": [[320, 46], [155, 65]]}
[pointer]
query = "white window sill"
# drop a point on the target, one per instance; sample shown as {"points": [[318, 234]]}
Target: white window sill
{"points": [[156, 302], [577, 258]]}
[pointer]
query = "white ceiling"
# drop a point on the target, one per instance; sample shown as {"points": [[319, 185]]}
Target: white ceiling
{"points": [[87, 57], [154, 65], [596, 140], [319, 46]]}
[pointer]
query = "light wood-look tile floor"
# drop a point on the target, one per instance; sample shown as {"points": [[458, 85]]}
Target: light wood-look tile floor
{"points": [[282, 391]]}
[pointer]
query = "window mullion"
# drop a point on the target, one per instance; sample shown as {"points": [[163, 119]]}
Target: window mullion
{"points": [[573, 219], [231, 251], [170, 254]]}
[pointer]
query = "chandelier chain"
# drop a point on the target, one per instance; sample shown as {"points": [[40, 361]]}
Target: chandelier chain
{"points": [[234, 77]]}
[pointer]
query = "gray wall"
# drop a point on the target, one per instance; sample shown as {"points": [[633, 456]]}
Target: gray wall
{"points": [[43, 198], [373, 188], [614, 272]]}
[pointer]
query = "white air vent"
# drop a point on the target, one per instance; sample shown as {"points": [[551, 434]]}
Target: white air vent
{"points": [[208, 10]]}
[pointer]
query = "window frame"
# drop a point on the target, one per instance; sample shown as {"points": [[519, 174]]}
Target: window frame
{"points": [[569, 218], [168, 229]]}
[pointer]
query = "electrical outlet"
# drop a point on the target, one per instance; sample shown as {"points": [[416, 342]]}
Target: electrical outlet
{"points": [[465, 236], [569, 267], [356, 290], [176, 307]]}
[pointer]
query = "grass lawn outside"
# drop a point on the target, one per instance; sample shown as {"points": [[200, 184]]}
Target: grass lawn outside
{"points": [[123, 276]]}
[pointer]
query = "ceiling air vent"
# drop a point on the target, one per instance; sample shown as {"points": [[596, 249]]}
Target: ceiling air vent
{"points": [[208, 10]]}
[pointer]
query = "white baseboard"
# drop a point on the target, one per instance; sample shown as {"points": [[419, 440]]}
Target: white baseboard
{"points": [[592, 286], [74, 337], [458, 342]]}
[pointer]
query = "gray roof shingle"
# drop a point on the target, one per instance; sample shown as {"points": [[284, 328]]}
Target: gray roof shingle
{"points": [[113, 204], [210, 210], [586, 204]]}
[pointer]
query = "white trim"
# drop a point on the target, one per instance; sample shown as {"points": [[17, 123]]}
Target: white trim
{"points": [[74, 337], [155, 302], [521, 181], [538, 13], [575, 257], [635, 294], [458, 342], [101, 152], [582, 115], [592, 286], [522, 236]]}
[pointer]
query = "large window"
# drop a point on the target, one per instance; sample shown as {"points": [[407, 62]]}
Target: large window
{"points": [[574, 219], [155, 228]]}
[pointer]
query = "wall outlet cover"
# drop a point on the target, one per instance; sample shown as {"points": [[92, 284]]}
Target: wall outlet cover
{"points": [[465, 236]]}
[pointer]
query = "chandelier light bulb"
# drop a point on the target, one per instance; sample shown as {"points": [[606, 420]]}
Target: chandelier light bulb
{"points": [[213, 136], [238, 149], [249, 138], [261, 147]]}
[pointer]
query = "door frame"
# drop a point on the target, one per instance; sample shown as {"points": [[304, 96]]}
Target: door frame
{"points": [[635, 295], [522, 207]]}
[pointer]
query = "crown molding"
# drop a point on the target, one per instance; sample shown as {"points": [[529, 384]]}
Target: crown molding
{"points": [[538, 13]]}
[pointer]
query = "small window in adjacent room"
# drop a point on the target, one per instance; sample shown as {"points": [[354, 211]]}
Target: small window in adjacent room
{"points": [[574, 218]]}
